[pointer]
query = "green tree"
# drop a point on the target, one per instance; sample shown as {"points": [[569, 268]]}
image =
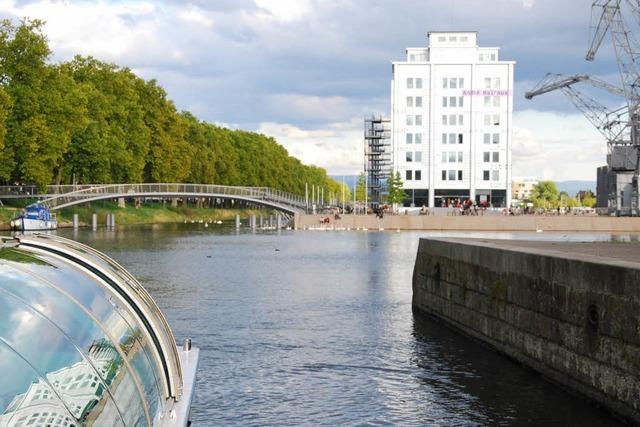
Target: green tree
{"points": [[394, 188], [361, 187], [589, 201], [545, 195]]}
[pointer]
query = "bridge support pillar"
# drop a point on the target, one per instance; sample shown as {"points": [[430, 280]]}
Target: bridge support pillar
{"points": [[278, 221], [237, 221], [253, 222], [75, 221], [94, 221], [121, 203], [174, 202], [261, 222]]}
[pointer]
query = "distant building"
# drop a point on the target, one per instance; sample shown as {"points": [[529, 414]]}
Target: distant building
{"points": [[451, 114], [522, 187]]}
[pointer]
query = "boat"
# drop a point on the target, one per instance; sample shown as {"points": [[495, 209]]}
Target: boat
{"points": [[36, 216], [83, 343]]}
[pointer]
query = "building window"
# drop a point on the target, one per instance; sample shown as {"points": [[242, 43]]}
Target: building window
{"points": [[418, 138], [453, 38], [444, 101], [493, 56], [487, 119], [442, 39], [418, 101], [452, 138], [460, 138], [408, 175], [444, 157], [496, 138], [452, 156], [486, 156], [453, 101], [487, 138], [496, 157], [444, 138], [418, 175], [409, 101], [444, 175], [451, 175], [452, 120], [444, 119], [445, 83], [496, 120], [460, 101], [418, 120], [409, 120], [485, 175], [410, 83], [409, 138], [496, 82], [496, 101], [459, 175], [453, 83], [464, 39], [460, 156], [409, 156], [418, 156], [487, 83], [461, 83], [495, 175], [418, 82], [460, 121]]}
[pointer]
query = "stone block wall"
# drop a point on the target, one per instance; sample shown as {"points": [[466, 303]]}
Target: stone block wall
{"points": [[576, 321]]}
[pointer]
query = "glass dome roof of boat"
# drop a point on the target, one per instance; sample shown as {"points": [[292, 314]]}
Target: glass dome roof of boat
{"points": [[81, 341]]}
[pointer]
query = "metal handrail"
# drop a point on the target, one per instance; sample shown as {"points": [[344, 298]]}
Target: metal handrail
{"points": [[265, 194]]}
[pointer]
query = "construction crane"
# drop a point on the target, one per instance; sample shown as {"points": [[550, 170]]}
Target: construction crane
{"points": [[612, 124], [606, 16]]}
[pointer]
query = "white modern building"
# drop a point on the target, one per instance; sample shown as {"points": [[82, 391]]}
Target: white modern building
{"points": [[451, 121]]}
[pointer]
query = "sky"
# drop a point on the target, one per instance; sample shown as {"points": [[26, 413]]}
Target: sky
{"points": [[307, 71]]}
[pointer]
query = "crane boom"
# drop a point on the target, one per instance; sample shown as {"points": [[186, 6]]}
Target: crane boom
{"points": [[611, 124]]}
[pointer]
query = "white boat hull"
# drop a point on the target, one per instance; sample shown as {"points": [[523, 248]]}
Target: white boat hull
{"points": [[29, 224]]}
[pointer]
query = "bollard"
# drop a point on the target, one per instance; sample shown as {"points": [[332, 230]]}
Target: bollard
{"points": [[237, 221], [94, 221], [75, 221]]}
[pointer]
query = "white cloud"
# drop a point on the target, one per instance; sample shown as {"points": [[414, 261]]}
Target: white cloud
{"points": [[556, 146], [337, 147], [283, 10], [196, 15]]}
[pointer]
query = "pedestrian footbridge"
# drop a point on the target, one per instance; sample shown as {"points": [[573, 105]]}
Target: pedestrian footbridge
{"points": [[63, 196]]}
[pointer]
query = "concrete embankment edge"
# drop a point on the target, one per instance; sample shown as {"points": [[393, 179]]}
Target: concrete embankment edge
{"points": [[472, 223], [576, 320]]}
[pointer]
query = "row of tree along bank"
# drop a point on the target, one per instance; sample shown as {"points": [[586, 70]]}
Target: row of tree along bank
{"points": [[87, 121]]}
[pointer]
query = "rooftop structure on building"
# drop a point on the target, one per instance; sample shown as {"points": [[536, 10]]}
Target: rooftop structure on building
{"points": [[451, 113]]}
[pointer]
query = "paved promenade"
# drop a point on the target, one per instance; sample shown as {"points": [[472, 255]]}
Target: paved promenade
{"points": [[472, 223]]}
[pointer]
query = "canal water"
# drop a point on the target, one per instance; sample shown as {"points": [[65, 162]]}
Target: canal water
{"points": [[316, 328]]}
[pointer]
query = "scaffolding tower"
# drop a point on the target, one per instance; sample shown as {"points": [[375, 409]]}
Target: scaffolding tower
{"points": [[377, 156]]}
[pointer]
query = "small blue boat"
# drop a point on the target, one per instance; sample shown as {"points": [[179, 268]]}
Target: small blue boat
{"points": [[36, 216]]}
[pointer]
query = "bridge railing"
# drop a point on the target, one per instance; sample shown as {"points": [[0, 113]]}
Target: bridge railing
{"points": [[178, 190]]}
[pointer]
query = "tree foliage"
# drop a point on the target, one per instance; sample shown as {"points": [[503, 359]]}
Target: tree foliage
{"points": [[394, 188], [545, 195], [87, 121]]}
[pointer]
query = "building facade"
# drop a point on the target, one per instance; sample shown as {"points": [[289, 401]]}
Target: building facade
{"points": [[451, 114], [522, 188]]}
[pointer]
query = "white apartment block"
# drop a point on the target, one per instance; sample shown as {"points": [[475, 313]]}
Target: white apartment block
{"points": [[451, 121]]}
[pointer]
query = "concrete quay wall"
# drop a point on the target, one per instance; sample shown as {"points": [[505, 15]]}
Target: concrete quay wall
{"points": [[574, 319], [473, 223]]}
